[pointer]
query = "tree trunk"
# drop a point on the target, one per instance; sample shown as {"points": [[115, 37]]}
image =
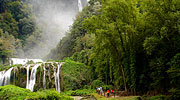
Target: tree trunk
{"points": [[124, 79]]}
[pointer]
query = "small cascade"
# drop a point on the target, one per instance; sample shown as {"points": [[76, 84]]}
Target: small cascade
{"points": [[27, 83], [80, 6], [55, 77], [5, 77], [1, 77], [58, 78], [44, 77], [32, 78]]}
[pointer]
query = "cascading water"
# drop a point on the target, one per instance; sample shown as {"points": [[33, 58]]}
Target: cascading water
{"points": [[1, 77], [80, 6], [44, 77], [32, 80], [58, 78], [5, 77], [55, 77], [27, 83]]}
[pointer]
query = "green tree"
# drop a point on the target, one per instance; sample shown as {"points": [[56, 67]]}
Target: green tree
{"points": [[3, 5], [6, 46], [9, 24]]}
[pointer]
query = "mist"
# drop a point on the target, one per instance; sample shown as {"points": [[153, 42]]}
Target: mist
{"points": [[53, 19]]}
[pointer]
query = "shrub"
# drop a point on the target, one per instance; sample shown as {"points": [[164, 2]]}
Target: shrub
{"points": [[83, 92], [97, 83], [74, 75], [105, 87], [158, 97], [11, 92], [47, 95], [175, 94]]}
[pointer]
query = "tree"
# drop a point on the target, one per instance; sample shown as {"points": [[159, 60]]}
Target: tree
{"points": [[3, 5], [6, 46]]}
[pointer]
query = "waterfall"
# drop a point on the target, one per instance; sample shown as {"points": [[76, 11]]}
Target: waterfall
{"points": [[1, 77], [5, 77], [32, 78], [44, 77], [55, 77], [27, 83], [80, 6], [58, 78]]}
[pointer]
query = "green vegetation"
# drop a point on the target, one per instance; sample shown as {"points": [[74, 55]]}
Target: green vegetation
{"points": [[158, 97], [99, 97], [16, 27], [74, 75], [130, 44], [11, 92], [83, 92], [80, 92], [2, 67]]}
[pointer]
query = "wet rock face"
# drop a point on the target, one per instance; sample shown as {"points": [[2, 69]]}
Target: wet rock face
{"points": [[35, 76]]}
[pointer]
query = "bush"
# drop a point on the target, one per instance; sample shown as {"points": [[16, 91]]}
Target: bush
{"points": [[105, 87], [11, 92], [74, 75], [83, 92], [47, 95], [175, 94], [97, 83], [158, 97]]}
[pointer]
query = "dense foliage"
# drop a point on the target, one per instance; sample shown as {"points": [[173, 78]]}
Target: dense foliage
{"points": [[133, 45], [130, 44], [16, 26], [74, 75]]}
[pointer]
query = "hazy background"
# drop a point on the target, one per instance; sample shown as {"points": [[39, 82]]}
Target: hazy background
{"points": [[52, 18]]}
